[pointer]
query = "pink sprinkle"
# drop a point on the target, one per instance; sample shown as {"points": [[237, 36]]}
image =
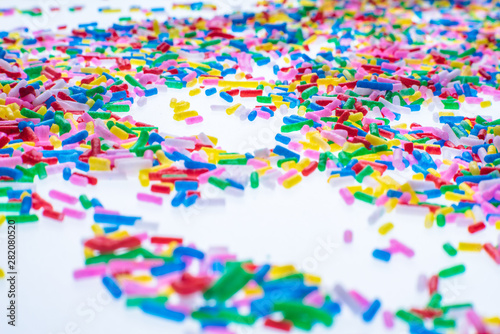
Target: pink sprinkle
{"points": [[244, 302], [74, 213], [142, 236], [476, 321], [98, 209], [315, 117], [295, 146], [211, 82], [381, 200], [90, 271], [347, 236], [359, 298], [347, 196], [119, 265], [388, 114], [405, 198], [315, 298], [311, 154], [166, 280], [216, 330], [194, 120], [263, 114], [330, 164], [11, 162], [397, 246], [63, 197], [79, 180], [134, 289], [189, 77], [150, 198], [388, 319], [257, 163]]}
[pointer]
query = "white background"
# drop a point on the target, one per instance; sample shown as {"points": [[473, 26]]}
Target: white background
{"points": [[276, 226]]}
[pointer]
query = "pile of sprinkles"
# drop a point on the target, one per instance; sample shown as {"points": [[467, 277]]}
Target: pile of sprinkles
{"points": [[393, 103]]}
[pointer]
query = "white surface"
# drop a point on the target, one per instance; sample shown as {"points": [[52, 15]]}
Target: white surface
{"points": [[276, 226]]}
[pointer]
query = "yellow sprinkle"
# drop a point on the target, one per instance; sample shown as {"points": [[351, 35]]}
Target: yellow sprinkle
{"points": [[469, 247], [451, 196], [144, 177], [156, 27], [391, 204], [119, 132], [253, 290], [97, 230], [116, 10], [99, 80], [401, 126], [99, 164], [180, 116], [118, 235], [368, 191], [292, 181], [485, 104], [386, 228], [303, 164], [456, 64], [181, 106], [280, 271], [162, 158], [54, 128], [418, 176], [473, 167], [2, 274], [231, 110], [312, 278], [468, 190], [137, 62], [429, 220], [173, 102], [55, 141], [495, 321], [445, 211], [416, 96], [88, 252], [194, 92], [6, 89], [142, 278]]}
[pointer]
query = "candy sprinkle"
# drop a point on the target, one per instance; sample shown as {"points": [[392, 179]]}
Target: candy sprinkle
{"points": [[393, 104]]}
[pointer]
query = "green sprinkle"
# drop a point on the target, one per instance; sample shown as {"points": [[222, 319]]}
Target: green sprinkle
{"points": [[219, 183], [452, 271], [23, 218], [449, 249]]}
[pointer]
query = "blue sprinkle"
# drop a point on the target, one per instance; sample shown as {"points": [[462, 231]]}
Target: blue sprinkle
{"points": [[188, 251], [372, 310], [112, 287], [381, 255], [226, 97], [178, 199], [211, 91]]}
